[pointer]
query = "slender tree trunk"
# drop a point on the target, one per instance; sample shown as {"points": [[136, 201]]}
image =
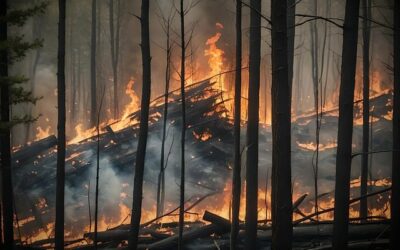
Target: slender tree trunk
{"points": [[395, 202], [291, 31], [345, 128], [236, 180], [161, 176], [93, 75], [59, 231], [183, 129], [281, 111], [114, 41], [365, 141], [1, 226], [5, 145], [144, 118], [252, 125]]}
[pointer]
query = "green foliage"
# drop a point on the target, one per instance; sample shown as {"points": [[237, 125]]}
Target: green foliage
{"points": [[16, 48], [19, 17]]}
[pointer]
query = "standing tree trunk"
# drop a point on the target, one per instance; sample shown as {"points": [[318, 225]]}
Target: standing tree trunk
{"points": [[366, 6], [345, 129], [291, 33], [59, 227], [183, 129], [114, 41], [395, 202], [144, 118], [236, 180], [252, 125], [281, 108], [161, 176], [5, 138], [93, 85]]}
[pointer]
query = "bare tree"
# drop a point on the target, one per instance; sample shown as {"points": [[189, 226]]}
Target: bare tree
{"points": [[166, 25], [395, 200], [252, 125], [183, 129], [366, 7], [345, 128], [93, 75], [60, 182], [144, 118], [236, 180], [281, 111]]}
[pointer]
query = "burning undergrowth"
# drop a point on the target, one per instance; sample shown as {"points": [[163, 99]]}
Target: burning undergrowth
{"points": [[209, 156]]}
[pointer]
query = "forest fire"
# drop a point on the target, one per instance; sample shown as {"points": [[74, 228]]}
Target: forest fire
{"points": [[91, 163]]}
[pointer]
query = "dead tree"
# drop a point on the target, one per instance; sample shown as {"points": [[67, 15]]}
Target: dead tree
{"points": [[144, 118], [366, 7], [236, 180], [161, 177], [5, 133], [183, 128], [345, 127], [60, 185], [395, 200], [281, 108], [114, 41], [93, 75], [252, 125]]}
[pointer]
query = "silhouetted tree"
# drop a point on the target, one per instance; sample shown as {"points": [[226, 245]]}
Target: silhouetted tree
{"points": [[366, 7], [183, 129], [12, 49], [93, 76], [395, 200], [144, 118], [236, 180], [281, 111], [60, 182], [345, 127], [252, 125]]}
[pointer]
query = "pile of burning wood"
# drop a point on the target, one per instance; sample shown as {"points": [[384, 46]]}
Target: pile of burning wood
{"points": [[210, 144]]}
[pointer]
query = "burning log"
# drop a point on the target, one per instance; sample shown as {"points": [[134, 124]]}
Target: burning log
{"points": [[32, 150]]}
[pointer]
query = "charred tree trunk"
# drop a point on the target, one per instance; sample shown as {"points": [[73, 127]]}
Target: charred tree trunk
{"points": [[114, 41], [281, 105], [59, 226], [345, 127], [183, 129], [366, 6], [236, 180], [93, 75], [161, 176], [144, 118], [395, 202], [5, 133], [252, 125]]}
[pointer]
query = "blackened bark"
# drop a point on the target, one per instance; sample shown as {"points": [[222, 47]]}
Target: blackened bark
{"points": [[93, 84], [236, 180], [281, 111], [395, 202], [252, 125], [366, 6], [144, 118], [183, 129], [59, 226], [5, 138], [345, 127]]}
